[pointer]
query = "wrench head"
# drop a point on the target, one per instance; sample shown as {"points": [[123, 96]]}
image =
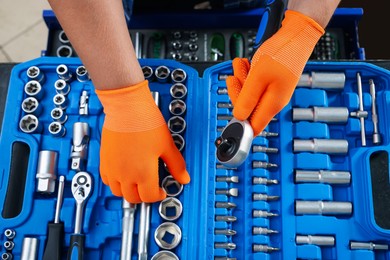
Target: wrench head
{"points": [[81, 186]]}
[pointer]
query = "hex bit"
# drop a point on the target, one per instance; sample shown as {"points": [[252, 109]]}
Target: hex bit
{"points": [[265, 197], [229, 179], [225, 218], [265, 181], [229, 246], [268, 134], [221, 166], [228, 192], [222, 91], [264, 165], [376, 137], [226, 232], [264, 149], [225, 205], [263, 214], [224, 105], [224, 117], [263, 231], [264, 248]]}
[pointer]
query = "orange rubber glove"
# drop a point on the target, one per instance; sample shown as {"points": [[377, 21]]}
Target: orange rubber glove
{"points": [[134, 136], [259, 90]]}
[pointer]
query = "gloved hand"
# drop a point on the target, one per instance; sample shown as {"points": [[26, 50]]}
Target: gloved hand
{"points": [[134, 136], [261, 89]]}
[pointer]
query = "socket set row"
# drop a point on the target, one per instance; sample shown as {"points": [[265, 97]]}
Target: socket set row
{"points": [[313, 186]]}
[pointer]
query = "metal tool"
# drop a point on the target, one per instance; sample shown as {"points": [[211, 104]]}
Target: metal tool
{"points": [[321, 176], [58, 115], [376, 137], [353, 245], [228, 179], [328, 146], [322, 207], [34, 73], [81, 190], [224, 258], [225, 205], [30, 248], [228, 192], [263, 181], [62, 87], [148, 72], [323, 80], [179, 141], [57, 129], [222, 91], [80, 145], [55, 229], [64, 51], [34, 89], [168, 235], [264, 149], [30, 105], [224, 105], [263, 165], [321, 114], [263, 214], [162, 73], [177, 107], [62, 37], [83, 105], [315, 240], [224, 117], [268, 134], [170, 209], [165, 255], [264, 248], [9, 233], [178, 90], [226, 232], [361, 114], [265, 197], [82, 74], [46, 171], [176, 124], [129, 210], [143, 233], [9, 245], [60, 101], [29, 124], [178, 75], [225, 218], [139, 39], [171, 186], [7, 256], [229, 246], [63, 72], [221, 166]]}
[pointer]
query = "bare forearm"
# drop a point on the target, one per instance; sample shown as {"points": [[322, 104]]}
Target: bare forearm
{"points": [[319, 10], [98, 32]]}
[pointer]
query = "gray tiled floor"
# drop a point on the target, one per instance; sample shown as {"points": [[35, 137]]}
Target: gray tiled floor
{"points": [[23, 33]]}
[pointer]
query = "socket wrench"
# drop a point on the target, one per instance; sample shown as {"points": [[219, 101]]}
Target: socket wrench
{"points": [[80, 145], [328, 146], [46, 171]]}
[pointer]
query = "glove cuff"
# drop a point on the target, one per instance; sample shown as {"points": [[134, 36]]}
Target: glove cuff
{"points": [[130, 109]]}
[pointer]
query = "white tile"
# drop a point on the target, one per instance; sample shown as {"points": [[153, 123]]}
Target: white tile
{"points": [[28, 45], [16, 16]]}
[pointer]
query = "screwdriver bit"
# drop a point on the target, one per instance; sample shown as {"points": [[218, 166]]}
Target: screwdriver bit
{"points": [[228, 192], [263, 231], [222, 91], [224, 105], [259, 180], [221, 166], [263, 214], [268, 134], [229, 246], [226, 218], [264, 248], [264, 149], [232, 179], [367, 246], [227, 232], [261, 196], [224, 258], [225, 205], [264, 165]]}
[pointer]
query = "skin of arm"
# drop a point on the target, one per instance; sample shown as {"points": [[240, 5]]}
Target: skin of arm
{"points": [[319, 10], [99, 34]]}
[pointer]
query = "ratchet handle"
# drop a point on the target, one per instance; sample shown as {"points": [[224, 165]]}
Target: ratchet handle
{"points": [[76, 248], [270, 22]]}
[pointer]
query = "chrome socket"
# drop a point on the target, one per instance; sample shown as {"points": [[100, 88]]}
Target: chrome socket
{"points": [[62, 37], [29, 124], [178, 90], [315, 240], [177, 56], [31, 105], [176, 124], [177, 107], [7, 256], [148, 72], [33, 89], [177, 35], [165, 255], [60, 101], [34, 73], [63, 72], [322, 208], [171, 186], [46, 171], [193, 47], [9, 233], [193, 58], [162, 73], [64, 51], [62, 87], [9, 245], [170, 209], [58, 115], [82, 74], [178, 75], [57, 129], [176, 45], [168, 229], [30, 248], [179, 141]]}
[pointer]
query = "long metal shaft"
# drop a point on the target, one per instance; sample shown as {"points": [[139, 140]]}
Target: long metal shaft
{"points": [[143, 234], [127, 229]]}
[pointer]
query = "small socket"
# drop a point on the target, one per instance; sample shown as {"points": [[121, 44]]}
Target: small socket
{"points": [[177, 45], [167, 235], [176, 124], [162, 73], [193, 58], [58, 115], [193, 47], [31, 105], [62, 87], [178, 75], [82, 74], [64, 51], [9, 233], [177, 107], [6, 256], [148, 72], [177, 35], [165, 255], [9, 245], [60, 101], [179, 141], [56, 129], [33, 89], [63, 72], [178, 90], [62, 37], [34, 73], [29, 124], [171, 186], [193, 34], [177, 56], [170, 209]]}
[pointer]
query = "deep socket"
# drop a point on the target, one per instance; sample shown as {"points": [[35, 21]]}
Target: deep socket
{"points": [[60, 101], [46, 171], [315, 240], [58, 115], [62, 37], [179, 141], [178, 90], [322, 208], [167, 230], [178, 75], [162, 73], [64, 51], [328, 146], [34, 89], [321, 114], [148, 72], [82, 74], [62, 87], [31, 105], [34, 73], [367, 246], [63, 72], [176, 124], [164, 255], [57, 129], [321, 176], [171, 186], [177, 107], [323, 80], [170, 209], [30, 248], [30, 124]]}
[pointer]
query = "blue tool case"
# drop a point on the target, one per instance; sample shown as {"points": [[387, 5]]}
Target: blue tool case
{"points": [[314, 186]]}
